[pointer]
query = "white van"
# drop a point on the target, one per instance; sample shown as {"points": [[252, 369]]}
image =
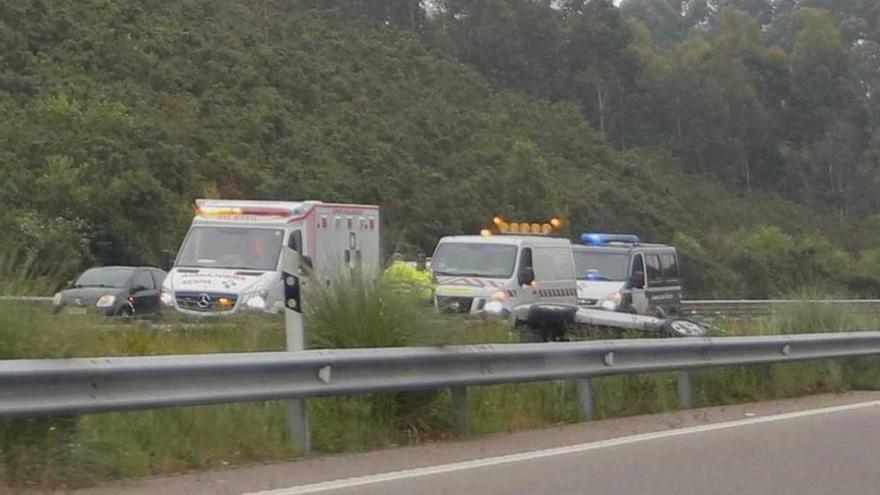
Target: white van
{"points": [[230, 260], [617, 272], [529, 278]]}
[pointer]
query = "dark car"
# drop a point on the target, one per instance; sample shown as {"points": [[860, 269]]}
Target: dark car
{"points": [[113, 291]]}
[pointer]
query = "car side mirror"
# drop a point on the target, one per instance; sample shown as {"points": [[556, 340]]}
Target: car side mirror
{"points": [[638, 280], [526, 276]]}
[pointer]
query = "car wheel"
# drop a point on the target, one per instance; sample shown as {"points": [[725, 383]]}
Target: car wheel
{"points": [[125, 311], [685, 328]]}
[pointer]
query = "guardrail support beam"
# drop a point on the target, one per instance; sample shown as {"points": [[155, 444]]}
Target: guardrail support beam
{"points": [[461, 408], [835, 372], [585, 399], [685, 390]]}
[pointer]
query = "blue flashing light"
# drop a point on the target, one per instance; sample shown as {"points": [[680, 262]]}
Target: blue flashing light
{"points": [[598, 239]]}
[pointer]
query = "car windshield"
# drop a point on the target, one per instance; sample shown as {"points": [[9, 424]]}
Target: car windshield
{"points": [[231, 247], [105, 277], [474, 259], [597, 265]]}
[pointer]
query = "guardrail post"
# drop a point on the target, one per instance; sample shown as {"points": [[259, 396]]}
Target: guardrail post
{"points": [[461, 408], [585, 399], [835, 372], [297, 410], [685, 390]]}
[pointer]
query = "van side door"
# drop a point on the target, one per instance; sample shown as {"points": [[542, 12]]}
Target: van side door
{"points": [[554, 270], [638, 284], [656, 287], [672, 290], [526, 278]]}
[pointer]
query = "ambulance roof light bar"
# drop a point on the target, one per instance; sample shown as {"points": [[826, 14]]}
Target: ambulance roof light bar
{"points": [[231, 208]]}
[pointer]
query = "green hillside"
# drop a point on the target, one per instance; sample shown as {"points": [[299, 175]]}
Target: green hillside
{"points": [[118, 113]]}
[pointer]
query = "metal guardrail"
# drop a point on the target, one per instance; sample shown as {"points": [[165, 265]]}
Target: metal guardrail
{"points": [[56, 387], [764, 307], [26, 298]]}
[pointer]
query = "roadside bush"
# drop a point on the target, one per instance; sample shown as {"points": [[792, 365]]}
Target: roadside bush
{"points": [[375, 313]]}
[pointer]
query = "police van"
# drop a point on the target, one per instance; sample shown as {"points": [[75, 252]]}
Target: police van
{"points": [[230, 260], [516, 271], [617, 272]]}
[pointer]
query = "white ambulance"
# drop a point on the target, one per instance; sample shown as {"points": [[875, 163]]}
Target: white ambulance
{"points": [[524, 275], [230, 260]]}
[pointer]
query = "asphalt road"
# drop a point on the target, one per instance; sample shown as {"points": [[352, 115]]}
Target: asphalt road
{"points": [[830, 452], [825, 444]]}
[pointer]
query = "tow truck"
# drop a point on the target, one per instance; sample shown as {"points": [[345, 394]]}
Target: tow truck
{"points": [[230, 262]]}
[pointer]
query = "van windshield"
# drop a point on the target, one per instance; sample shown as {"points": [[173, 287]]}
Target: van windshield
{"points": [[596, 265], [231, 247], [474, 259]]}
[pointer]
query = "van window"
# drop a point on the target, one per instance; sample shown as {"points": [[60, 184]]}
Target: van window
{"points": [[553, 263], [669, 264], [599, 265], [652, 261], [474, 259], [638, 269], [525, 264]]}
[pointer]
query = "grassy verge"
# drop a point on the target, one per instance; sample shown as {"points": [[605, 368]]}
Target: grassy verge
{"points": [[79, 451]]}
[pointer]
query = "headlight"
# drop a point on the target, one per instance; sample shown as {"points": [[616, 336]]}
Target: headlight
{"points": [[166, 299], [56, 301], [106, 301], [256, 302], [499, 296], [613, 302]]}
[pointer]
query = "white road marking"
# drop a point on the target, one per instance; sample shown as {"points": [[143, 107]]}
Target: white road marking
{"points": [[558, 451]]}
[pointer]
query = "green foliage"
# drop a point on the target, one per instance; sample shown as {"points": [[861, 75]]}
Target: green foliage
{"points": [[116, 116]]}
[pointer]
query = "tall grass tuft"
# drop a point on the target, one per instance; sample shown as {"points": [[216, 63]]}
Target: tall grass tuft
{"points": [[25, 273], [374, 313], [807, 316], [366, 313]]}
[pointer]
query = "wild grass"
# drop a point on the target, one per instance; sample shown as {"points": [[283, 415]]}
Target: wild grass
{"points": [[92, 448]]}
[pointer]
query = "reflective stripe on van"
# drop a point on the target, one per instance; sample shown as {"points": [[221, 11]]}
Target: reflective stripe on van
{"points": [[557, 292]]}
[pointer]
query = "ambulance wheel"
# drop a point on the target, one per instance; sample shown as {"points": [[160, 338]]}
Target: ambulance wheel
{"points": [[684, 328]]}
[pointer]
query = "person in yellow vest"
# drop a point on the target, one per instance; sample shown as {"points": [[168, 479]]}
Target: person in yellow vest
{"points": [[407, 276]]}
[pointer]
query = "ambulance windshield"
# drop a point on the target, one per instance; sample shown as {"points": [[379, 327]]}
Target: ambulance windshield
{"points": [[231, 247], [474, 259]]}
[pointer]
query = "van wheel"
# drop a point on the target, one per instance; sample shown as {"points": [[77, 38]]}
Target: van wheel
{"points": [[684, 328]]}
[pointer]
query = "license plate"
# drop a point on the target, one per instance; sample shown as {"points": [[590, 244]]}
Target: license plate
{"points": [[75, 311]]}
